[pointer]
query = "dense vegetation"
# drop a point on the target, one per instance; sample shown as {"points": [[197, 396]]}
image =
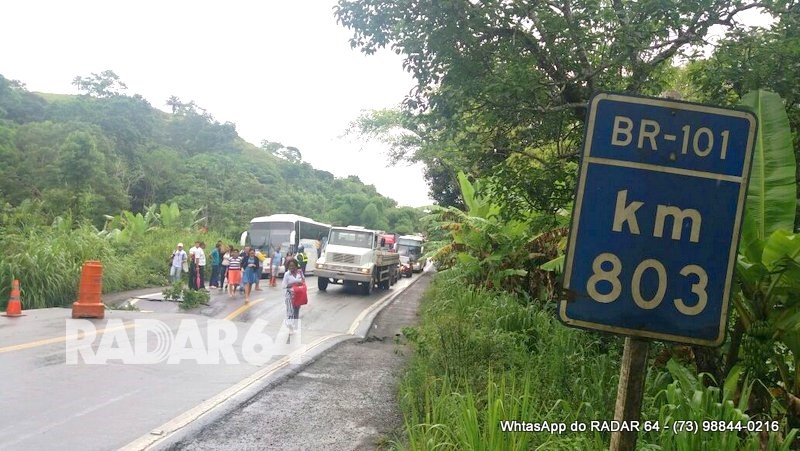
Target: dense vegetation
{"points": [[497, 118], [502, 94], [103, 152], [106, 176]]}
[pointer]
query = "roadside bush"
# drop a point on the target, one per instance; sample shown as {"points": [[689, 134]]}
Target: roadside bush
{"points": [[194, 298]]}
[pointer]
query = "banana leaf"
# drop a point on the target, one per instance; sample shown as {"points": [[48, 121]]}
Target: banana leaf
{"points": [[750, 273], [554, 265], [771, 195], [780, 244], [732, 382], [476, 205]]}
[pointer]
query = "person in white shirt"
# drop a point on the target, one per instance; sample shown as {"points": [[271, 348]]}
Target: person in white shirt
{"points": [[178, 259], [200, 255], [193, 266], [293, 276], [226, 261]]}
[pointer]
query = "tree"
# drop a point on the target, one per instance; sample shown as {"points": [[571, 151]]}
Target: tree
{"points": [[403, 220], [291, 154], [104, 84], [499, 78], [98, 156], [752, 60], [17, 104], [81, 165], [10, 161], [369, 217], [194, 130], [175, 103], [271, 147], [288, 153]]}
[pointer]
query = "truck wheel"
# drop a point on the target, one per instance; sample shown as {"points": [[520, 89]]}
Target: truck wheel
{"points": [[322, 283], [368, 287]]}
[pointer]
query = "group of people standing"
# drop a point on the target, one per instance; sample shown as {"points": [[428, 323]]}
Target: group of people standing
{"points": [[236, 270], [193, 263], [231, 269]]}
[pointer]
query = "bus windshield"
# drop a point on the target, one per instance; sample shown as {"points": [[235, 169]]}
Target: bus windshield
{"points": [[270, 235], [352, 238], [410, 251]]}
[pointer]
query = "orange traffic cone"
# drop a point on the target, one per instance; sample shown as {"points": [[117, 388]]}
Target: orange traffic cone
{"points": [[91, 287], [14, 305]]}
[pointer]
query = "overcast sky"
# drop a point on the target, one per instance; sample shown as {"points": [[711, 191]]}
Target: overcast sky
{"points": [[280, 70]]}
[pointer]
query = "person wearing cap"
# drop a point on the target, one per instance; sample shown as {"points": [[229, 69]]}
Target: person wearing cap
{"points": [[178, 259]]}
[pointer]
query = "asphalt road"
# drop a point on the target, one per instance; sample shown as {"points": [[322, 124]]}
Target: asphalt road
{"points": [[46, 403], [331, 404]]}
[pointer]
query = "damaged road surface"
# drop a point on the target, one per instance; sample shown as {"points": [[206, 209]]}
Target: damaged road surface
{"points": [[345, 399]]}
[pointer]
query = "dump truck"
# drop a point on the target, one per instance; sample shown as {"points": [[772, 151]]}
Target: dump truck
{"points": [[354, 256]]}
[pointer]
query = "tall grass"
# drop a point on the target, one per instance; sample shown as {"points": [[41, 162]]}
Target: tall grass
{"points": [[688, 399], [450, 418], [483, 357], [47, 260]]}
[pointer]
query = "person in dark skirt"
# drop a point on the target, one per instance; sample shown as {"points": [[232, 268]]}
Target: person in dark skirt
{"points": [[252, 271]]}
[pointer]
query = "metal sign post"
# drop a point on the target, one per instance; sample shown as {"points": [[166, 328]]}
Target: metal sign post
{"points": [[656, 224]]}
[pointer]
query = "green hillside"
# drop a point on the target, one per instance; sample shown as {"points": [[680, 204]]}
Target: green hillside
{"points": [[104, 152]]}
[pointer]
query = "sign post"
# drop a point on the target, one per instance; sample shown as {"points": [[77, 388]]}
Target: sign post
{"points": [[630, 391], [656, 224]]}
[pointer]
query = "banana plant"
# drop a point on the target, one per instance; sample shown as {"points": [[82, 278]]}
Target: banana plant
{"points": [[170, 215], [193, 220], [767, 302], [490, 252], [151, 217], [136, 225], [128, 226]]}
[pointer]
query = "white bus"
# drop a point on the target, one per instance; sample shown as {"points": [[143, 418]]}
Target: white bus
{"points": [[287, 231]]}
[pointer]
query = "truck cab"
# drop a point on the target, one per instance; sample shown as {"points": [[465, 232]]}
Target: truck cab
{"points": [[353, 255]]}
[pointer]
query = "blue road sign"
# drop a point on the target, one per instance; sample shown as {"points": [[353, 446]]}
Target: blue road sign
{"points": [[657, 215]]}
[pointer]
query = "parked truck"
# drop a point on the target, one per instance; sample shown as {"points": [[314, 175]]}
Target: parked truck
{"points": [[354, 255], [409, 247]]}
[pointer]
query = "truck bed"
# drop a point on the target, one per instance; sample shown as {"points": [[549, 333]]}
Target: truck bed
{"points": [[384, 258]]}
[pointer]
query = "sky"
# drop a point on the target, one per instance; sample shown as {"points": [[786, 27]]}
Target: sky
{"points": [[280, 70]]}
